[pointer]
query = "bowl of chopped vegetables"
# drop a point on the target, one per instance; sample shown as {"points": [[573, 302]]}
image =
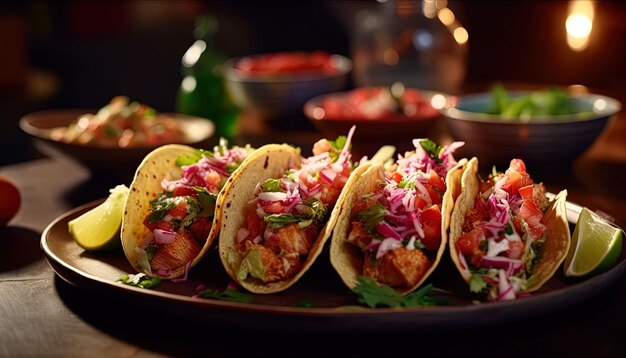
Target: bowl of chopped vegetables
{"points": [[276, 85], [114, 139], [547, 126], [393, 114]]}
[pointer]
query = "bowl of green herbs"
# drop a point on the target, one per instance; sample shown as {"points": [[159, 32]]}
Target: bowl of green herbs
{"points": [[547, 126]]}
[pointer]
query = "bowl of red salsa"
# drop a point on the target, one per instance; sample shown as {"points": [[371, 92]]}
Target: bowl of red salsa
{"points": [[382, 114], [277, 84]]}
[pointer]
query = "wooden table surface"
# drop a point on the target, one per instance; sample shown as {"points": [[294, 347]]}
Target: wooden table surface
{"points": [[41, 315]]}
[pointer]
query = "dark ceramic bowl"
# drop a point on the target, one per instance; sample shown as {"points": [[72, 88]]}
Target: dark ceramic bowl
{"points": [[389, 128], [540, 141], [112, 161], [282, 95]]}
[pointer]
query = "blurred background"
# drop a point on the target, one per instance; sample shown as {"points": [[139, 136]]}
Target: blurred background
{"points": [[79, 54]]}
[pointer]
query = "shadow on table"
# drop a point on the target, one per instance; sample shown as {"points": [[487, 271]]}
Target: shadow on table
{"points": [[19, 247], [96, 186]]}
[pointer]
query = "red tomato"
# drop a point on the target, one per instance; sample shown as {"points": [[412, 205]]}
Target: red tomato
{"points": [[183, 191], [526, 192], [161, 224], [396, 176], [516, 249], [435, 181], [274, 208], [254, 224], [179, 211], [10, 200], [518, 165], [469, 242], [531, 213], [431, 224]]}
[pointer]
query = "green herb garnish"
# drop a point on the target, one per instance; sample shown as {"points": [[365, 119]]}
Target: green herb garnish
{"points": [[432, 149], [228, 294], [372, 216], [139, 280], [374, 295]]}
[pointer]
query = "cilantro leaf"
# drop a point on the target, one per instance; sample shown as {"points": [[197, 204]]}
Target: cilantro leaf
{"points": [[432, 149], [228, 294], [280, 220], [139, 280], [371, 216], [477, 283], [374, 295], [315, 212], [271, 185]]}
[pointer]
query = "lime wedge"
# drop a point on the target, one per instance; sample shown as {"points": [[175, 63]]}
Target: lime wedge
{"points": [[596, 246], [98, 229]]}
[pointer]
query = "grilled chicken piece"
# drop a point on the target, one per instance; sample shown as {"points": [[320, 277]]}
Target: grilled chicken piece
{"points": [[291, 264], [290, 238], [402, 267], [201, 227], [358, 236], [177, 253], [273, 267]]}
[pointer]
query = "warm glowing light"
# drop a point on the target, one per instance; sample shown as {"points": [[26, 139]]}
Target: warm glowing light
{"points": [[397, 89], [446, 16], [599, 105], [319, 113], [577, 89], [188, 84], [391, 57], [438, 101], [460, 35], [193, 53], [579, 24]]}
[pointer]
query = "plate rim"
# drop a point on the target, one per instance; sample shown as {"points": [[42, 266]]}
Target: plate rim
{"points": [[434, 317]]}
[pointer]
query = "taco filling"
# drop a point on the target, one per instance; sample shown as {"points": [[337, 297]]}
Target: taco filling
{"points": [[287, 214], [503, 233], [181, 216], [398, 225]]}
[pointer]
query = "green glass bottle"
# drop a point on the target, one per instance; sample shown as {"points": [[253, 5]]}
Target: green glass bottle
{"points": [[202, 91]]}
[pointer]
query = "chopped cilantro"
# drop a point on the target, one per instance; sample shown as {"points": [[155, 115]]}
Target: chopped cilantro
{"points": [[139, 280], [477, 283], [371, 216], [432, 149], [316, 212], [228, 294], [271, 185], [280, 220], [374, 295]]}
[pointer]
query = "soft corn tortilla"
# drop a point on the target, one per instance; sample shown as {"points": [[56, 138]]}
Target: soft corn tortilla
{"points": [[347, 259], [269, 161], [557, 234], [157, 165]]}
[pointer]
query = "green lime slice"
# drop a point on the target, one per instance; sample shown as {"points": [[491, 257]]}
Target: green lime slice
{"points": [[98, 229], [596, 246]]}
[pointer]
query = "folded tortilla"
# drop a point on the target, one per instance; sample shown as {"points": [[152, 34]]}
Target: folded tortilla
{"points": [[269, 161], [347, 259], [157, 165], [557, 234]]}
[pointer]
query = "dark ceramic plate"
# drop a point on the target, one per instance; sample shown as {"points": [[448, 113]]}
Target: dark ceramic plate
{"points": [[332, 307]]}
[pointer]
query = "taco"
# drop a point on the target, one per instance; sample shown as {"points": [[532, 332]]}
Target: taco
{"points": [[393, 222], [170, 219], [506, 237], [280, 211]]}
